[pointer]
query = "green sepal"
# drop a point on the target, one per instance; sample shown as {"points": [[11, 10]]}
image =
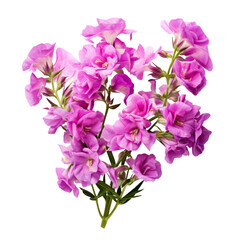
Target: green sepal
{"points": [[56, 73]]}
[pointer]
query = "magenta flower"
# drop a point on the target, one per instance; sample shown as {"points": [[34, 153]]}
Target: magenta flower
{"points": [[55, 118], [145, 167], [33, 91], [190, 36], [88, 167], [86, 87], [66, 181], [114, 174], [137, 106], [108, 30], [122, 83], [142, 60], [84, 125], [191, 75], [201, 135], [128, 133], [174, 149], [67, 63], [102, 60], [152, 95], [40, 57], [179, 118]]}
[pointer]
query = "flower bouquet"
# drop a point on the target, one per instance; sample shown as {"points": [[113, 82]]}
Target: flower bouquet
{"points": [[101, 154]]}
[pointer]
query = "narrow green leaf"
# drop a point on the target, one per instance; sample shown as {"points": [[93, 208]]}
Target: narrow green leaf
{"points": [[87, 193], [107, 188], [111, 158]]}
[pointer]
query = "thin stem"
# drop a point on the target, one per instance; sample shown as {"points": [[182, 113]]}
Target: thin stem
{"points": [[97, 202], [115, 207], [175, 55], [153, 125], [55, 92], [105, 116]]}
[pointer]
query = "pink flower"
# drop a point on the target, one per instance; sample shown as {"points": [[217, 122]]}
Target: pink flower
{"points": [[66, 181], [174, 149], [114, 174], [40, 57], [33, 91], [145, 167], [86, 87], [84, 125], [191, 75], [102, 60], [88, 167], [143, 61], [108, 30], [67, 62], [156, 102], [55, 118], [122, 83], [180, 118], [190, 36], [128, 133], [137, 106]]}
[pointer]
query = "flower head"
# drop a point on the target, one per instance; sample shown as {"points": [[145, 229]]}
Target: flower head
{"points": [[40, 57], [33, 91], [145, 167], [190, 38], [108, 30]]}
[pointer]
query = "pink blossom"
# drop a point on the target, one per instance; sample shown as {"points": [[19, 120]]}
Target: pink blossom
{"points": [[84, 125], [114, 174], [191, 75], [137, 106], [67, 63], [66, 181], [40, 57], [55, 118], [108, 30], [145, 167], [102, 60], [33, 91], [128, 133], [179, 118], [152, 95], [174, 149], [190, 36], [143, 61], [122, 83], [88, 167], [86, 87]]}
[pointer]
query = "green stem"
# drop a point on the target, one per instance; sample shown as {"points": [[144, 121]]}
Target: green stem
{"points": [[175, 55], [100, 214], [105, 218], [105, 116], [153, 125], [55, 92]]}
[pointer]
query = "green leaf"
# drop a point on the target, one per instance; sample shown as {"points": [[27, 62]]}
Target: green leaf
{"points": [[132, 193], [111, 158], [125, 200], [88, 194], [107, 188]]}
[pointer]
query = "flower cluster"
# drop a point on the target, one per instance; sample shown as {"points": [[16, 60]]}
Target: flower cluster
{"points": [[161, 115]]}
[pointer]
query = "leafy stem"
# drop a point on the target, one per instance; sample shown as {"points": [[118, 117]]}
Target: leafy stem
{"points": [[175, 55], [55, 92]]}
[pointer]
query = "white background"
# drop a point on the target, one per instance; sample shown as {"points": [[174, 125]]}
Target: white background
{"points": [[196, 198]]}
